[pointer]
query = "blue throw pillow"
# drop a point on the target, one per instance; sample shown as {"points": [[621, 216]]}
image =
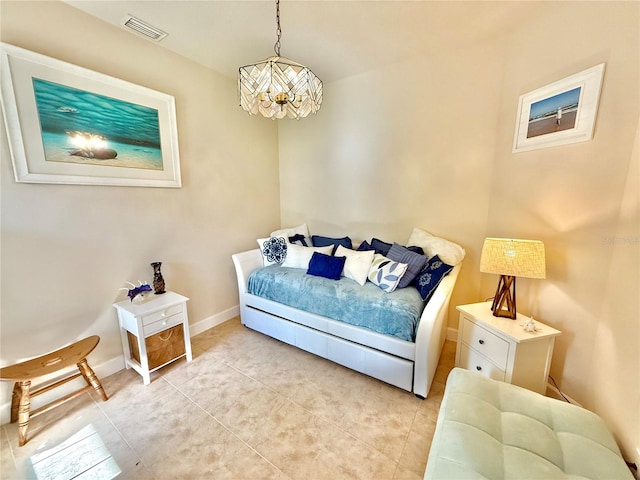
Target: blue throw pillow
{"points": [[365, 247], [322, 265], [380, 247], [383, 247], [430, 276], [300, 239], [415, 262], [319, 241]]}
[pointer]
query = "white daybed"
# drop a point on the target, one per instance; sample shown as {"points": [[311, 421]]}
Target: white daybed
{"points": [[408, 365]]}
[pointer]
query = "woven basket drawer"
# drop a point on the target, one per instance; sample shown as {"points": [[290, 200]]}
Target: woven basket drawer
{"points": [[162, 347]]}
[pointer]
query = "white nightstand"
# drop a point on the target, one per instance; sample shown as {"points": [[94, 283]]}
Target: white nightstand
{"points": [[154, 333], [501, 349]]}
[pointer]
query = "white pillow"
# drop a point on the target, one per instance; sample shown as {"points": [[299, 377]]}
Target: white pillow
{"points": [[290, 232], [449, 252], [357, 264], [386, 273], [273, 255], [299, 256]]}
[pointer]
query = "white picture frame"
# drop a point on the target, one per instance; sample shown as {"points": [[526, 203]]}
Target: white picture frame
{"points": [[560, 113], [69, 125]]}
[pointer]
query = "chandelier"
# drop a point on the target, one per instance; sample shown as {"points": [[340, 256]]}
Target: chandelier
{"points": [[278, 87]]}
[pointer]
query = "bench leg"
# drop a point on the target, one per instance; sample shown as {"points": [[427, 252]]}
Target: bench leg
{"points": [[15, 402], [91, 378], [23, 399]]}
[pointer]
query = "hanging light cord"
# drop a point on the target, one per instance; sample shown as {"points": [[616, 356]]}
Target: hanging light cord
{"points": [[276, 47]]}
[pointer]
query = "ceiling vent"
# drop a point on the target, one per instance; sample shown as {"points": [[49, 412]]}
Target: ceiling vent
{"points": [[142, 28]]}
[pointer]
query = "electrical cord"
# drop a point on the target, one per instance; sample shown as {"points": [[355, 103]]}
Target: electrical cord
{"points": [[558, 389], [632, 466]]}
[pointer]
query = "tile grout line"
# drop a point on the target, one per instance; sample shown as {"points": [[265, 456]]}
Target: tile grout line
{"points": [[13, 457], [406, 440], [323, 419], [224, 426], [271, 389], [138, 458]]}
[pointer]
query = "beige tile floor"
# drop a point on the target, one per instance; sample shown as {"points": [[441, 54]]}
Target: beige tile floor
{"points": [[246, 407]]}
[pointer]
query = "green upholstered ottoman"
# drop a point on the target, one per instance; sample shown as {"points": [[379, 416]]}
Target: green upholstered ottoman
{"points": [[493, 430]]}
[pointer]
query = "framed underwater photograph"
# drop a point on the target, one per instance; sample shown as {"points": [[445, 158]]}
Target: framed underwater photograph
{"points": [[560, 113], [70, 125]]}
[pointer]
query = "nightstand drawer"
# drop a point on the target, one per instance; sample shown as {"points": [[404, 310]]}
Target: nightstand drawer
{"points": [[161, 348], [472, 360], [154, 317], [163, 324], [488, 344]]}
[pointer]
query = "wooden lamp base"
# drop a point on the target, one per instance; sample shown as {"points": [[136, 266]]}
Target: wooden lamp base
{"points": [[504, 302]]}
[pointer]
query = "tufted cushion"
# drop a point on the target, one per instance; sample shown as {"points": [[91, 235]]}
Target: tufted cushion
{"points": [[494, 430]]}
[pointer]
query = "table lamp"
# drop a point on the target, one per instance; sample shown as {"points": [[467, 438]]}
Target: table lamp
{"points": [[511, 258]]}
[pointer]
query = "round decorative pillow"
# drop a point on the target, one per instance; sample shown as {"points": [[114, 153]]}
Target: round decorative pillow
{"points": [[275, 250]]}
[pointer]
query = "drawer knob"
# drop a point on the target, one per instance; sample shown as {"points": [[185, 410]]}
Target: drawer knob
{"points": [[478, 367], [481, 342]]}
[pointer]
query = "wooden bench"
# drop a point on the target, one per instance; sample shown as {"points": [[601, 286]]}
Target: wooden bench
{"points": [[23, 373]]}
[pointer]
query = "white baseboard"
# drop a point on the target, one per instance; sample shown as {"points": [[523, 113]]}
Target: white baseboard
{"points": [[213, 320], [452, 334], [106, 368]]}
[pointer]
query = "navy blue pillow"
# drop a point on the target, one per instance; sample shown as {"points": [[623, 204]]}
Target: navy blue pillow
{"points": [[299, 239], [319, 241], [383, 247], [415, 263], [380, 247], [364, 246], [416, 249], [322, 265], [430, 276]]}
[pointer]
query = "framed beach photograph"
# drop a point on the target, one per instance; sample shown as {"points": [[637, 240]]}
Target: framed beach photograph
{"points": [[559, 113], [70, 125]]}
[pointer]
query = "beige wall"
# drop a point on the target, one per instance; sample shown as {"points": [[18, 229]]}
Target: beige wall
{"points": [[577, 199], [66, 249], [391, 150], [387, 152]]}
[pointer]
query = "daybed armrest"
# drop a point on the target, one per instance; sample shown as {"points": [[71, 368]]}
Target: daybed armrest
{"points": [[245, 263], [431, 334]]}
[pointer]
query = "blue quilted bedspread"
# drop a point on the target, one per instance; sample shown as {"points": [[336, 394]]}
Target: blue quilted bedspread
{"points": [[396, 313]]}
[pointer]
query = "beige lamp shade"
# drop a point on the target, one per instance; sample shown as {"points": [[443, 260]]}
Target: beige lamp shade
{"points": [[513, 257]]}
